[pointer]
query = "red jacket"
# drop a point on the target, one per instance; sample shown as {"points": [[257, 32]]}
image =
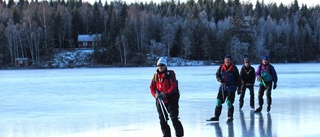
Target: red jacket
{"points": [[164, 82]]}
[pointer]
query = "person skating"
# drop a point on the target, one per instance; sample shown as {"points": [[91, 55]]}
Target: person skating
{"points": [[164, 88], [228, 75], [267, 76], [248, 76]]}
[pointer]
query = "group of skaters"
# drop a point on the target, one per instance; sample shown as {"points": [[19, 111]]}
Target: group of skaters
{"points": [[164, 88]]}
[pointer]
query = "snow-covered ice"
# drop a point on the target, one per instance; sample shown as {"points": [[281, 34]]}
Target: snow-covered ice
{"points": [[116, 102]]}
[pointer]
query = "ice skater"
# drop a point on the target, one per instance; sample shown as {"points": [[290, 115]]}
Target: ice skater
{"points": [[266, 74], [164, 88], [248, 77], [228, 75]]}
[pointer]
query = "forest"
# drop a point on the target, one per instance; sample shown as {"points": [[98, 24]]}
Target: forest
{"points": [[192, 30]]}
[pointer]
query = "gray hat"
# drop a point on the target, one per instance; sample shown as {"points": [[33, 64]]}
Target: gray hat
{"points": [[246, 60]]}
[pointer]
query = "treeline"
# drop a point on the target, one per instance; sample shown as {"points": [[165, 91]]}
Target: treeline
{"points": [[195, 30]]}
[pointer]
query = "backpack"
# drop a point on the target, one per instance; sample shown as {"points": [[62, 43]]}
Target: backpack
{"points": [[167, 76], [265, 74]]}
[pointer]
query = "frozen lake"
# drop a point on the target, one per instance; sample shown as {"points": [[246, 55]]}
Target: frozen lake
{"points": [[116, 102]]}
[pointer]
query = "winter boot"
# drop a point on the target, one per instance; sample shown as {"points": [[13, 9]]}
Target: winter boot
{"points": [[258, 109], [165, 129], [230, 119], [214, 118], [217, 113], [230, 114], [252, 106], [268, 108], [177, 126]]}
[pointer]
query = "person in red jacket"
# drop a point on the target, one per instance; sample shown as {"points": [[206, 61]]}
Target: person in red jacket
{"points": [[164, 87]]}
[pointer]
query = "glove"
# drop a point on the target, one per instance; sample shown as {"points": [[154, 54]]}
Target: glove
{"points": [[259, 78], [221, 81], [160, 96], [274, 86], [239, 91]]}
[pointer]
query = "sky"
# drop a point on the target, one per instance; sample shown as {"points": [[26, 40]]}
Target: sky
{"points": [[285, 2]]}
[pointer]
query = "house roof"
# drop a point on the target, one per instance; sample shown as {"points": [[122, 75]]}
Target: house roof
{"points": [[21, 58], [88, 38]]}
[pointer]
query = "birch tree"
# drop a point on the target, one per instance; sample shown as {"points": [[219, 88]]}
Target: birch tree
{"points": [[14, 45], [29, 30], [86, 13], [63, 25], [44, 14], [168, 35]]}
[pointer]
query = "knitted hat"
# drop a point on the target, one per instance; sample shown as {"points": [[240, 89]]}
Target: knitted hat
{"points": [[246, 60], [228, 56], [162, 61], [265, 57]]}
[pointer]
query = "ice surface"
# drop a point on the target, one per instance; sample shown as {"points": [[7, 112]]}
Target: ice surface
{"points": [[116, 102]]}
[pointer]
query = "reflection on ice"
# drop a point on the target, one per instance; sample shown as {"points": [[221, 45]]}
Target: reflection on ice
{"points": [[116, 102], [247, 125]]}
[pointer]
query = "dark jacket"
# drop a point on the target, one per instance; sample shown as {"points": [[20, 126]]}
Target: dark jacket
{"points": [[247, 75], [229, 75]]}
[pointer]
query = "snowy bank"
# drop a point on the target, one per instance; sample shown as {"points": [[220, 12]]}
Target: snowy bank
{"points": [[71, 59], [83, 58]]}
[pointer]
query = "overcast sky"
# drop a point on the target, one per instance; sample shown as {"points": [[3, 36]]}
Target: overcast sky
{"points": [[285, 2]]}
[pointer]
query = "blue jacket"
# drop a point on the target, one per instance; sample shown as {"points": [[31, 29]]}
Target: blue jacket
{"points": [[229, 76]]}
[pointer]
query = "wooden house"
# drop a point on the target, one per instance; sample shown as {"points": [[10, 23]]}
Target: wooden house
{"points": [[88, 41], [21, 62]]}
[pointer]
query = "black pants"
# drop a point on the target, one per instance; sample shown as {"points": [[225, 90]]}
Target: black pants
{"points": [[225, 94], [243, 92], [262, 88], [173, 109]]}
